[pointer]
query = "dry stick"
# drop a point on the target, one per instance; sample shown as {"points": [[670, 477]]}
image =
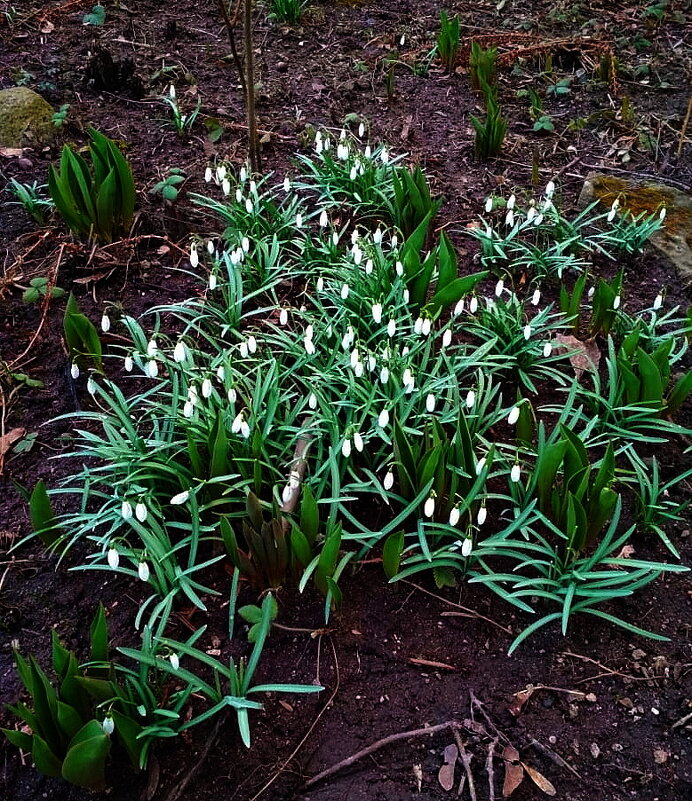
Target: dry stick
{"points": [[230, 30], [307, 733], [378, 744], [489, 769], [255, 164], [683, 130], [466, 762], [297, 474]]}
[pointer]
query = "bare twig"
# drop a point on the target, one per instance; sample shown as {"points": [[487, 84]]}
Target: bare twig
{"points": [[556, 758], [683, 130], [466, 762], [229, 24], [489, 769], [253, 144]]}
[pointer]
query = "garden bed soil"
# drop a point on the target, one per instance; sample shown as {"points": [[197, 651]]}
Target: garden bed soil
{"points": [[394, 658]]}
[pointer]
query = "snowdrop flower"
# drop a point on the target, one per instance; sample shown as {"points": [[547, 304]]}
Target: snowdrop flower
{"points": [[232, 396], [188, 409], [482, 516], [324, 219], [384, 375], [126, 510], [174, 660], [141, 512], [418, 325], [208, 174], [459, 308], [194, 256], [346, 448], [309, 346], [383, 418], [536, 297], [377, 236], [358, 442], [367, 152], [171, 92], [320, 284], [335, 238], [473, 305], [399, 268], [108, 725], [426, 327], [388, 482], [361, 130], [113, 558], [105, 323], [226, 189], [245, 245], [354, 173], [407, 377], [238, 196], [395, 241], [616, 302], [531, 213], [243, 350], [488, 205], [152, 348], [430, 402], [192, 394], [662, 214], [527, 332], [547, 350], [372, 363], [345, 289], [249, 208], [355, 357], [319, 145], [143, 571], [384, 156], [538, 219], [368, 267], [658, 302], [515, 473], [128, 364], [206, 388], [429, 508], [283, 317], [391, 328], [220, 173], [342, 152], [467, 545], [251, 344], [210, 248], [470, 399], [180, 498], [74, 369], [91, 386], [480, 465], [287, 184], [405, 296], [312, 401], [549, 189], [612, 213], [499, 286], [240, 426], [513, 416], [152, 369], [454, 516], [405, 350], [212, 281], [357, 255], [179, 352], [510, 203], [509, 219], [447, 338]]}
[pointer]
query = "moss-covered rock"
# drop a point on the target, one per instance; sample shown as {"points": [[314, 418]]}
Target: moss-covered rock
{"points": [[26, 119]]}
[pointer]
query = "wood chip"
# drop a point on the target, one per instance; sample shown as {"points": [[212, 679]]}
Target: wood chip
{"points": [[431, 663]]}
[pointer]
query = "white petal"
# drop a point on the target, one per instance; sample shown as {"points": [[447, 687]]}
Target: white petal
{"points": [[447, 338], [470, 399], [141, 512], [515, 473], [206, 388], [536, 297], [113, 558], [180, 498], [179, 352], [126, 510], [391, 328], [383, 418], [143, 571], [429, 508], [105, 323], [346, 448], [152, 369], [482, 516], [74, 369], [388, 482], [358, 442], [513, 416], [312, 400], [467, 545], [128, 364], [430, 402], [454, 516]]}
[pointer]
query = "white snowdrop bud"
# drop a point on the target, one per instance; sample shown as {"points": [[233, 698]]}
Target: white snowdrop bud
{"points": [[299, 220], [447, 338], [372, 363], [591, 292], [395, 241], [426, 327], [383, 418], [549, 189], [488, 205], [128, 364], [141, 512], [658, 302], [309, 346], [251, 344], [320, 284], [242, 347], [355, 357], [430, 402], [470, 399], [105, 323], [358, 442], [384, 375], [237, 423], [283, 317], [357, 254], [612, 213], [358, 369], [143, 571], [616, 302], [513, 416], [345, 289], [152, 369], [367, 152], [210, 248], [309, 331], [180, 498], [249, 208], [459, 308], [287, 184], [527, 332], [361, 130], [473, 305], [312, 401], [245, 244], [482, 516], [662, 214], [213, 281], [221, 172], [454, 516], [405, 295], [547, 350], [499, 286], [480, 465], [208, 174], [377, 312], [369, 267], [188, 409], [126, 510], [509, 219], [243, 175], [346, 448], [467, 545], [418, 325], [324, 219], [538, 219], [74, 369], [174, 660], [152, 348], [510, 203], [108, 725], [113, 558], [536, 297], [91, 386], [388, 482], [319, 146], [384, 156], [238, 194], [377, 236], [206, 388], [226, 189], [399, 268], [171, 92], [194, 256], [179, 352], [531, 213], [353, 174], [429, 507], [391, 328], [515, 473], [232, 395]]}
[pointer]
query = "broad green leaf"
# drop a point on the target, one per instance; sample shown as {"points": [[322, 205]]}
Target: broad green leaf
{"points": [[391, 553], [85, 761]]}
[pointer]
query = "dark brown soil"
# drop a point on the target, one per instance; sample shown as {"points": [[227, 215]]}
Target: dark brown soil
{"points": [[604, 701]]}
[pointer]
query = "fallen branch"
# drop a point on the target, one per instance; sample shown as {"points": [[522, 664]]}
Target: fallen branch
{"points": [[466, 762]]}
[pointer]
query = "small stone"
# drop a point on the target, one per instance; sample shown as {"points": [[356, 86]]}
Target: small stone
{"points": [[26, 119], [591, 698], [595, 750], [661, 756], [638, 653], [626, 702], [281, 66]]}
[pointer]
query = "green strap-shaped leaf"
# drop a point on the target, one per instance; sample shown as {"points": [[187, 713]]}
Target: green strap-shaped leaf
{"points": [[85, 762]]}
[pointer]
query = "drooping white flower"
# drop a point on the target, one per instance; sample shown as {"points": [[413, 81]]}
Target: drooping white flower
{"points": [[377, 312], [426, 328], [299, 220], [174, 660], [513, 416], [538, 219], [547, 349], [74, 369], [221, 172], [208, 174], [488, 205], [482, 516], [377, 236], [358, 441], [346, 448], [309, 346], [206, 388], [242, 347], [480, 465], [384, 156], [499, 286], [105, 323], [430, 402], [113, 558], [152, 369], [320, 284], [616, 302], [515, 473], [126, 510], [447, 338], [549, 189], [249, 208], [372, 363], [312, 401], [459, 308], [324, 219], [353, 174], [143, 571], [527, 332], [418, 325], [188, 409], [369, 267], [662, 214], [467, 545], [509, 219], [391, 328], [345, 289], [226, 189], [171, 92], [238, 195], [283, 317], [179, 352], [383, 418], [213, 281], [429, 507], [180, 498], [141, 512], [194, 256], [531, 213], [367, 152], [470, 399], [287, 184], [473, 305], [128, 364], [658, 302], [361, 130], [388, 482], [536, 297], [395, 241], [152, 348], [454, 516], [384, 375], [399, 268], [405, 295]]}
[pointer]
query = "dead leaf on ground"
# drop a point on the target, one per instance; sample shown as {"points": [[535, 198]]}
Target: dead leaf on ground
{"points": [[626, 552], [539, 780], [430, 663], [585, 354], [514, 772], [445, 775], [8, 440], [11, 152], [418, 774], [520, 699]]}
